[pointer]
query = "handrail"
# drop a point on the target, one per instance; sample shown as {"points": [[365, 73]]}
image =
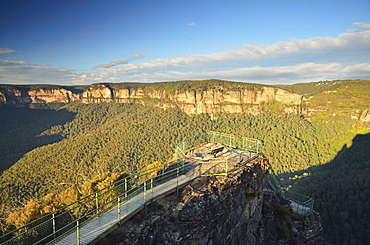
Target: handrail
{"points": [[70, 213], [302, 201]]}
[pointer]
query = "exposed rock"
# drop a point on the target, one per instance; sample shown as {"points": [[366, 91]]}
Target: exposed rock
{"points": [[361, 115], [222, 210], [211, 100], [280, 225], [16, 96], [98, 94], [195, 101]]}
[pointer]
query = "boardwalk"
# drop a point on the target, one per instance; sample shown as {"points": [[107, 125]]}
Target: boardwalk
{"points": [[199, 161], [90, 231]]}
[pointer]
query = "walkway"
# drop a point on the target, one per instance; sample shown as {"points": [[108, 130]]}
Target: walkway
{"points": [[92, 230], [103, 224]]}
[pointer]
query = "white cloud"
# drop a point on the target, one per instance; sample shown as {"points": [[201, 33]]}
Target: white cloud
{"points": [[112, 63], [192, 24], [362, 25], [21, 72], [137, 56], [7, 51], [348, 48], [119, 62], [268, 75], [346, 56]]}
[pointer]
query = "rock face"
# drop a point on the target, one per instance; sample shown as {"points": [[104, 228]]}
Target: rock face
{"points": [[280, 225], [222, 210], [210, 101], [361, 115], [14, 96]]}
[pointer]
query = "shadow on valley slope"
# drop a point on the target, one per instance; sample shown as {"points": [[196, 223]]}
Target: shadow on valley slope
{"points": [[20, 132], [341, 189]]}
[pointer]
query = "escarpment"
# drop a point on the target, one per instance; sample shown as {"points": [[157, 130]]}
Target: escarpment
{"points": [[20, 95], [192, 97], [210, 100]]}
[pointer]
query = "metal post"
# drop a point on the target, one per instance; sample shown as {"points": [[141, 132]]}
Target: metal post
{"points": [[78, 232], [151, 187], [177, 182], [97, 203], [53, 217], [145, 195], [125, 187], [119, 210]]}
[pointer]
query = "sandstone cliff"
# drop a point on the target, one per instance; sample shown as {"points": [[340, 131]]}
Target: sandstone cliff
{"points": [[231, 210], [210, 100], [15, 95]]}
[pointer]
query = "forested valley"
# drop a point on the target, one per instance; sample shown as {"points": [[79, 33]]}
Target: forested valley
{"points": [[46, 151]]}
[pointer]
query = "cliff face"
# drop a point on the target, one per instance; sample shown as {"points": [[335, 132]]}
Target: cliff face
{"points": [[16, 96], [210, 100], [194, 101], [222, 210]]}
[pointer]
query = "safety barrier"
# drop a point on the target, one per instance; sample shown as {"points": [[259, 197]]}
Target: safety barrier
{"points": [[60, 224], [243, 143], [300, 203]]}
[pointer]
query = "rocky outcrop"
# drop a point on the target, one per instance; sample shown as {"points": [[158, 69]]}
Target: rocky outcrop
{"points": [[210, 101], [361, 115], [222, 210], [15, 96], [281, 225]]}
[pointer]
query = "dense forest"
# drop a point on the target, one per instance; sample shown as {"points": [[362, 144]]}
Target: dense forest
{"points": [[341, 189], [49, 149]]}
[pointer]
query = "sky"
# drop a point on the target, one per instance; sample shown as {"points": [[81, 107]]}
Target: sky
{"points": [[69, 42]]}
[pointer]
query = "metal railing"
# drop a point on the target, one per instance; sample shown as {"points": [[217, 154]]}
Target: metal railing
{"points": [[57, 225], [300, 203], [243, 143]]}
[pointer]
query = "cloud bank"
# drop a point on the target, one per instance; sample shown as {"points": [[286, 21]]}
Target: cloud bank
{"points": [[346, 56], [7, 51]]}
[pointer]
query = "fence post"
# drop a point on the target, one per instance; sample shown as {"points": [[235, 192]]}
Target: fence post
{"points": [[97, 203], [78, 232], [177, 182], [145, 195], [125, 187], [151, 187], [53, 217], [119, 210]]}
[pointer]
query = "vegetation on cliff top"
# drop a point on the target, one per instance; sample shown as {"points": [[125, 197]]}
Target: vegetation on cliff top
{"points": [[312, 88], [187, 85]]}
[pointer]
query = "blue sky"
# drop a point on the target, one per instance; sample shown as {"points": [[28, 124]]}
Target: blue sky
{"points": [[271, 42]]}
